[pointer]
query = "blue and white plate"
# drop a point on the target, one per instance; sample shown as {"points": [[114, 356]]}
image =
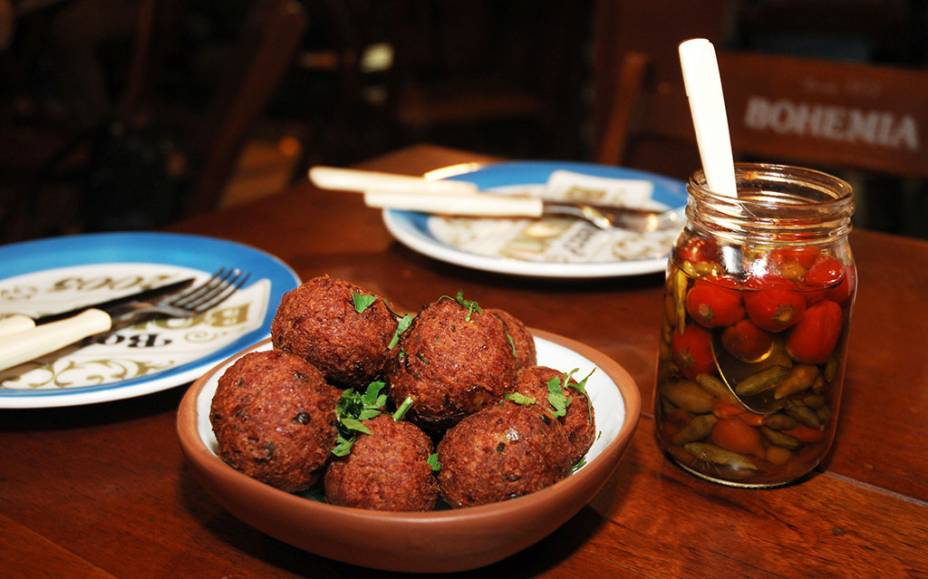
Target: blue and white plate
{"points": [[549, 247], [58, 274]]}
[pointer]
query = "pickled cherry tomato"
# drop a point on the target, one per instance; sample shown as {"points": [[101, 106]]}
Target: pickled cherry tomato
{"points": [[746, 341], [698, 249], [804, 256], [829, 273], [776, 306], [692, 351], [816, 335], [712, 305]]}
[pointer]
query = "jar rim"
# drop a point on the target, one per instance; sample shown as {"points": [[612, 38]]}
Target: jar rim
{"points": [[775, 203], [840, 190]]}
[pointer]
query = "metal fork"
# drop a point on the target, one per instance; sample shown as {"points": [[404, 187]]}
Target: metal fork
{"points": [[30, 344], [192, 302]]}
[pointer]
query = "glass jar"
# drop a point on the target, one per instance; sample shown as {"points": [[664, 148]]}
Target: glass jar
{"points": [[757, 307]]}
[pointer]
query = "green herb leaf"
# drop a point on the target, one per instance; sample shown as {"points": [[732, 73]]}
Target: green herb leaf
{"points": [[520, 398], [354, 424], [471, 305], [403, 409], [557, 398], [368, 413], [353, 408], [349, 404], [581, 385], [581, 388], [512, 344], [401, 327], [579, 465], [342, 446], [433, 462], [362, 301], [372, 393]]}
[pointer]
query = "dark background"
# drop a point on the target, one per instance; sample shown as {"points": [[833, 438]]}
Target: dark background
{"points": [[111, 110]]}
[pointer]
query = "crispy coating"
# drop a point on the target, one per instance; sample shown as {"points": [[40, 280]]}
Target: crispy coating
{"points": [[318, 322], [502, 452], [274, 418], [449, 365], [386, 470], [522, 342], [579, 422]]}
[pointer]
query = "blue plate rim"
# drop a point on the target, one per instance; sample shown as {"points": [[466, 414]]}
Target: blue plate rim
{"points": [[150, 247]]}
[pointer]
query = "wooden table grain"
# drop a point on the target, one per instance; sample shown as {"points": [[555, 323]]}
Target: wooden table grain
{"points": [[103, 490]]}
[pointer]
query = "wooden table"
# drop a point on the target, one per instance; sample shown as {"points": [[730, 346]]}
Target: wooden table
{"points": [[103, 490]]}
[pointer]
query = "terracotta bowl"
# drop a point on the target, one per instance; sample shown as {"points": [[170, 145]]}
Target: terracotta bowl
{"points": [[437, 541]]}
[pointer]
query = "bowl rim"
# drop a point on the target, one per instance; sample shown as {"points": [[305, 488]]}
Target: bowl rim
{"points": [[600, 468]]}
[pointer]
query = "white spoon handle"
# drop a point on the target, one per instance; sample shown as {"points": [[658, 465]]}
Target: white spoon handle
{"points": [[40, 340], [356, 180], [707, 106]]}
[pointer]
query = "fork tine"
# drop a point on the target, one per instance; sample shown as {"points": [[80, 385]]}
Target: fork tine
{"points": [[215, 291], [231, 288], [206, 288], [211, 290]]}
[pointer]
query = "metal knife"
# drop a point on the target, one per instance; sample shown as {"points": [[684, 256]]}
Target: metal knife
{"points": [[19, 323]]}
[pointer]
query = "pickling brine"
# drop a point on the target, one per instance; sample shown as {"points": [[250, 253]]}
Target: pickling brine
{"points": [[757, 310]]}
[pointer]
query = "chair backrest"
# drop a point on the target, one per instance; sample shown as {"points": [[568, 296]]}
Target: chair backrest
{"points": [[812, 112], [272, 33]]}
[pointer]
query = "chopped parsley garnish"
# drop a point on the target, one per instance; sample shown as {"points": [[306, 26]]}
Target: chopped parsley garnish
{"points": [[352, 409], [471, 305], [579, 465], [581, 385], [581, 388], [433, 462], [512, 344], [342, 446], [372, 396], [403, 409], [401, 327], [354, 424], [557, 397], [520, 398], [362, 301]]}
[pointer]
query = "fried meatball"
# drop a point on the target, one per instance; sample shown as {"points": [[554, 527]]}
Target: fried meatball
{"points": [[274, 418], [452, 361], [318, 321], [387, 470], [502, 452], [579, 421], [519, 338]]}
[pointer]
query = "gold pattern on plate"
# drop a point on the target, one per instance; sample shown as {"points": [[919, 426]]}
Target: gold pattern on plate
{"points": [[91, 372]]}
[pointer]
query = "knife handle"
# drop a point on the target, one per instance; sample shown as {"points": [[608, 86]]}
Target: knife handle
{"points": [[40, 340], [339, 179], [15, 324], [476, 205]]}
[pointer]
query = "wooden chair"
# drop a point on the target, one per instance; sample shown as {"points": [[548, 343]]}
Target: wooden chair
{"points": [[202, 157], [811, 112], [270, 38]]}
